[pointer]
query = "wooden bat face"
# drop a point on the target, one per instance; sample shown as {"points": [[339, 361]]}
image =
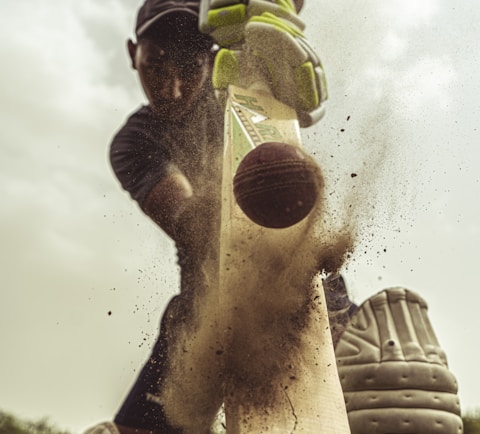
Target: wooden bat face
{"points": [[268, 388]]}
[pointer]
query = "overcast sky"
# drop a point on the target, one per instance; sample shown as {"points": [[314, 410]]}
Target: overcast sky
{"points": [[85, 276]]}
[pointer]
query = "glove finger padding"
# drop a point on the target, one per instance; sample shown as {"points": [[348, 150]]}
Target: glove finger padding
{"points": [[394, 375], [225, 20], [294, 69]]}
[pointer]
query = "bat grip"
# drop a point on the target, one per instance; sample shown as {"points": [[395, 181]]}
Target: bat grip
{"points": [[253, 73]]}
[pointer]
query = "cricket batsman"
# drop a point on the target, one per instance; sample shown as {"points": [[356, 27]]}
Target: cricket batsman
{"points": [[168, 157]]}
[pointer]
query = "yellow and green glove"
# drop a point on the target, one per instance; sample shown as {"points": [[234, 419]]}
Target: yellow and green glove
{"points": [[272, 32]]}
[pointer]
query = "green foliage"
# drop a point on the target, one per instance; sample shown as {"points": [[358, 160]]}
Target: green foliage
{"points": [[10, 424], [471, 422]]}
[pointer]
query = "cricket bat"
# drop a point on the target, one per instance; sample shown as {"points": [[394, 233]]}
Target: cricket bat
{"points": [[306, 396], [278, 363]]}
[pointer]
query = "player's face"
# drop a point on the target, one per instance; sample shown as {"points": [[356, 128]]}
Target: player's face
{"points": [[172, 76]]}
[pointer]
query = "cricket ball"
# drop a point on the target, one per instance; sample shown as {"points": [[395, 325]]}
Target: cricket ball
{"points": [[277, 185]]}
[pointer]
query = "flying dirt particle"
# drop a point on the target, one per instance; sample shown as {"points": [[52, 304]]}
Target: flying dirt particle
{"points": [[342, 130], [353, 175], [109, 313]]}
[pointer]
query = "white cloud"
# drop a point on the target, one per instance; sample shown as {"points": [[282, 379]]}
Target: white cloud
{"points": [[428, 82], [58, 65], [68, 232], [393, 46], [408, 13]]}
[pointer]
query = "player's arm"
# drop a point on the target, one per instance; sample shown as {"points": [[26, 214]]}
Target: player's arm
{"points": [[160, 188], [168, 201]]}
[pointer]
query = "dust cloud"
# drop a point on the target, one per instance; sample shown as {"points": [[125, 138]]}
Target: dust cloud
{"points": [[257, 319], [249, 325]]}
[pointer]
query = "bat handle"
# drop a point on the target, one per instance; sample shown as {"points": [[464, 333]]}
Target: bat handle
{"points": [[253, 73], [260, 85]]}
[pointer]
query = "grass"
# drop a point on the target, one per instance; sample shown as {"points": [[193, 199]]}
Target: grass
{"points": [[471, 422], [10, 424]]}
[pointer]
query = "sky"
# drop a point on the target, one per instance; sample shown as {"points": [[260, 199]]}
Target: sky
{"points": [[85, 276]]}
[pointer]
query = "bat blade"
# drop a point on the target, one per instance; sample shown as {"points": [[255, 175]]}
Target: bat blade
{"points": [[269, 386]]}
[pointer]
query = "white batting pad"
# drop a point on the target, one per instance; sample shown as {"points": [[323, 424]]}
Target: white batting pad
{"points": [[393, 372]]}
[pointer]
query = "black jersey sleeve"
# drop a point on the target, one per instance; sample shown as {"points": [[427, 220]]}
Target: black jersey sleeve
{"points": [[138, 155]]}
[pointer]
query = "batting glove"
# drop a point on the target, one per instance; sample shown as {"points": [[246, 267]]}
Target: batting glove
{"points": [[270, 31], [225, 20]]}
